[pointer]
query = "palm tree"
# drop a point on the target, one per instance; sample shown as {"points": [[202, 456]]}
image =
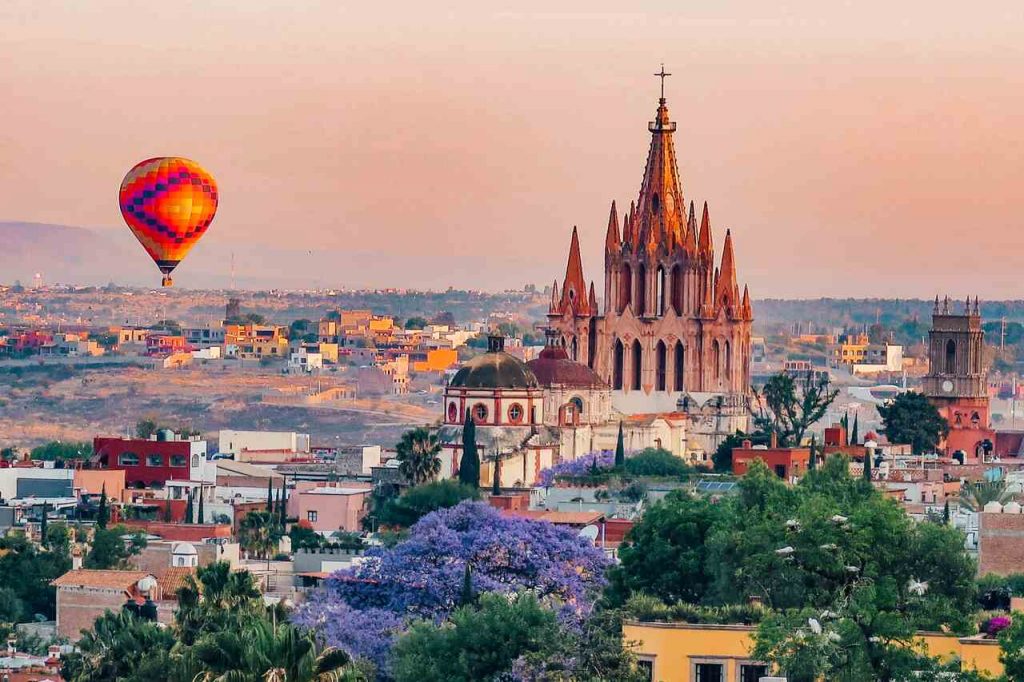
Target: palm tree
{"points": [[259, 533], [268, 653], [213, 596], [974, 496], [417, 455]]}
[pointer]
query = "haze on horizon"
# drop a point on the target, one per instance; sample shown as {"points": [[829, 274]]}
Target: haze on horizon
{"points": [[855, 149]]}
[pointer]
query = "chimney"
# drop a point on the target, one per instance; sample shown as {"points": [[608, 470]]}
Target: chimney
{"points": [[76, 559], [746, 445], [775, 441]]}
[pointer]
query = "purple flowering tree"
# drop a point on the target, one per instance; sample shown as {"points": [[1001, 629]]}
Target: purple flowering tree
{"points": [[362, 609], [579, 467]]}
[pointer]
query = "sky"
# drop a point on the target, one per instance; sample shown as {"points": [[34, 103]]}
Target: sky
{"points": [[854, 148]]}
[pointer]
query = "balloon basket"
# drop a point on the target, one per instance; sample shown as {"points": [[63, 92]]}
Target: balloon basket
{"points": [[167, 282]]}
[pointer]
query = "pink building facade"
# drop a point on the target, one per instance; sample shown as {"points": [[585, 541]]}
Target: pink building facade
{"points": [[329, 507]]}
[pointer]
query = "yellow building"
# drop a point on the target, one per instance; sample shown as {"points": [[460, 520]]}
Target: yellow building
{"points": [[250, 341], [686, 652], [438, 360]]}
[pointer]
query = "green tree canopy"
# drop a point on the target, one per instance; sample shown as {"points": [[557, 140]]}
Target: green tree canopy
{"points": [[405, 510], [912, 418], [417, 455], [112, 547], [789, 411], [656, 462]]}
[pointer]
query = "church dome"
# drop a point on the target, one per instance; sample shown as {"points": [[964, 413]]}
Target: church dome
{"points": [[554, 368], [494, 369]]}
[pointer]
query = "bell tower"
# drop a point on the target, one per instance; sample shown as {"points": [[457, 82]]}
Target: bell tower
{"points": [[957, 381]]}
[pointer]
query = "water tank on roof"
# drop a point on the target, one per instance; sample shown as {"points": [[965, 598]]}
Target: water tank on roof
{"points": [[1011, 508], [993, 508], [164, 435]]}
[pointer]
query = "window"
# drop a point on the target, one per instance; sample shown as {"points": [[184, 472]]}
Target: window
{"points": [[641, 290], [626, 291], [311, 516], [179, 460], [780, 471], [195, 460], [617, 372], [677, 373], [638, 359], [646, 669], [128, 459], [708, 672], [951, 357], [677, 289], [480, 412], [453, 413], [716, 352], [752, 672], [660, 293], [515, 413], [659, 364], [154, 461]]}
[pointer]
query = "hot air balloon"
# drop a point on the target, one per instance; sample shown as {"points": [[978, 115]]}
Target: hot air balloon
{"points": [[168, 203]]}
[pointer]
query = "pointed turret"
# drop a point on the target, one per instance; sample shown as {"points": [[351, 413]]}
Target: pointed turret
{"points": [[592, 299], [574, 287], [690, 238], [660, 215], [555, 298], [705, 247], [612, 242], [726, 291], [631, 230], [746, 308]]}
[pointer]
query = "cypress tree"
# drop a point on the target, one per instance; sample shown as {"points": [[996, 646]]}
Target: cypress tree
{"points": [[167, 510], [496, 483], [270, 495], [855, 438], [284, 506], [844, 421], [945, 513], [467, 597], [867, 466], [812, 462], [593, 467], [202, 516], [42, 526], [102, 514], [189, 509], [620, 450], [469, 467]]}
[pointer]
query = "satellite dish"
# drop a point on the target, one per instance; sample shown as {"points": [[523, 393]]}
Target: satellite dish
{"points": [[590, 532]]}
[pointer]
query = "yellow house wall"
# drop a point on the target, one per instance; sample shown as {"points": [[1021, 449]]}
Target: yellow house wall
{"points": [[674, 647]]}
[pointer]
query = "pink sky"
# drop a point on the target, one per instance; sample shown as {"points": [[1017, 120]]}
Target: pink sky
{"points": [[862, 148]]}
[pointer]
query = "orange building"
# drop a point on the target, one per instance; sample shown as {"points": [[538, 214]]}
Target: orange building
{"points": [[438, 360], [788, 464], [95, 481]]}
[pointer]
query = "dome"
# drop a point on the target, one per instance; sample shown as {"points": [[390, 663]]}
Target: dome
{"points": [[494, 369], [184, 548], [554, 368]]}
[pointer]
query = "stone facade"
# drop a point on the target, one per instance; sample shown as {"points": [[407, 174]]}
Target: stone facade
{"points": [[673, 324], [1000, 543]]}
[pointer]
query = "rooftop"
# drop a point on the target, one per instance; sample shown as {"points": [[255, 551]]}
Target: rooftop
{"points": [[107, 579]]}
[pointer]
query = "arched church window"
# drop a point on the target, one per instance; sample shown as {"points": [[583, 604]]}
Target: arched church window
{"points": [[716, 352], [515, 413], [660, 360], [573, 349], [677, 370], [661, 291], [951, 357], [638, 357], [655, 204], [677, 289], [728, 359], [626, 292], [618, 353], [641, 290]]}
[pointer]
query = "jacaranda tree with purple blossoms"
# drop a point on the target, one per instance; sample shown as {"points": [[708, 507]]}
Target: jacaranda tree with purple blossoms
{"points": [[422, 577]]}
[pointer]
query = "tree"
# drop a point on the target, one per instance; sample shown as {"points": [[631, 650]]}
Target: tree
{"points": [[974, 496], [665, 553], [59, 452], [867, 466], [259, 534], [216, 598], [145, 428], [420, 500], [469, 466], [190, 509], [168, 516], [270, 495], [479, 643], [468, 596], [416, 323], [417, 455], [812, 460], [722, 456], [1011, 649], [912, 418], [304, 537], [43, 530], [945, 513], [112, 547], [102, 513], [199, 511], [496, 478], [111, 649], [789, 413], [620, 449], [12, 608], [855, 435], [29, 571], [422, 576], [656, 462], [283, 516]]}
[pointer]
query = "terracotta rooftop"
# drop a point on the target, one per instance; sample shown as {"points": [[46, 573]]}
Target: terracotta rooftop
{"points": [[86, 577], [569, 518], [173, 578]]}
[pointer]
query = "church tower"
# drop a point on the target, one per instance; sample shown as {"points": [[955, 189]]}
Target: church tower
{"points": [[675, 323], [957, 382]]}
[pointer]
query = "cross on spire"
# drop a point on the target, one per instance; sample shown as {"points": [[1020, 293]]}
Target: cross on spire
{"points": [[661, 74]]}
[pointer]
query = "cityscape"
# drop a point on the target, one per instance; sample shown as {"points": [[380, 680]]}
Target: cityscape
{"points": [[468, 344]]}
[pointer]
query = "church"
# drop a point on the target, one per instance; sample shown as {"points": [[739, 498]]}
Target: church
{"points": [[674, 331]]}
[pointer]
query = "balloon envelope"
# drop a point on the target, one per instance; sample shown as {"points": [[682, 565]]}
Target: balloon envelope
{"points": [[168, 203]]}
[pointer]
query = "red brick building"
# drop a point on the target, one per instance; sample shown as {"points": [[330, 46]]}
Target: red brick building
{"points": [[1000, 542], [789, 464]]}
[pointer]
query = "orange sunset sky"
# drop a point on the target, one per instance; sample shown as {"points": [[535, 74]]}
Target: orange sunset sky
{"points": [[867, 148]]}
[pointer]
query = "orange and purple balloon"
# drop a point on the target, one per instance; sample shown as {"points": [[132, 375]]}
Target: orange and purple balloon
{"points": [[168, 203]]}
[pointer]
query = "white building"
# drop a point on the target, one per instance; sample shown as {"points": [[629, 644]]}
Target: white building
{"points": [[237, 443], [303, 360]]}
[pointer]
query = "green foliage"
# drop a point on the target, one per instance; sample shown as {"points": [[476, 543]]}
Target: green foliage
{"points": [[112, 547], [416, 322], [620, 449], [646, 608], [656, 462], [145, 428], [469, 466], [404, 511], [1011, 649], [12, 608], [259, 533], [417, 455], [789, 412], [303, 537], [974, 496], [103, 512], [478, 643], [58, 451], [28, 570], [112, 650], [911, 418]]}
